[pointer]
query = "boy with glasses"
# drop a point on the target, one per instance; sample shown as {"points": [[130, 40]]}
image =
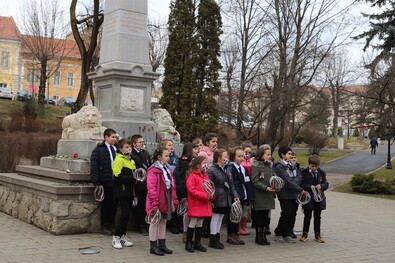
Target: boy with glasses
{"points": [[142, 160]]}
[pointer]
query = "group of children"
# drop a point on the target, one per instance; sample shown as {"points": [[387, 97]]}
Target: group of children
{"points": [[213, 183]]}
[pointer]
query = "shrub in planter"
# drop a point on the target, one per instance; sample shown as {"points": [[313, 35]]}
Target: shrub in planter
{"points": [[364, 183]]}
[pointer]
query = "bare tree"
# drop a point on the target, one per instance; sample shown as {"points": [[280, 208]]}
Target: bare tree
{"points": [[336, 76], [247, 36], [305, 33], [43, 28], [86, 31], [158, 40]]}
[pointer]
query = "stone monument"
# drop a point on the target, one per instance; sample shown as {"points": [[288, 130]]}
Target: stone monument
{"points": [[123, 78], [165, 125]]}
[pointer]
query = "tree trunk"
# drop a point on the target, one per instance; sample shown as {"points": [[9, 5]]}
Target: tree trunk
{"points": [[43, 80]]}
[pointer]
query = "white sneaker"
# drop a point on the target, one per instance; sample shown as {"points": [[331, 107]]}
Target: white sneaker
{"points": [[125, 242], [289, 239], [279, 239], [116, 242]]}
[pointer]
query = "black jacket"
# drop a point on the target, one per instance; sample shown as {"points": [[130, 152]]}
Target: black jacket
{"points": [[180, 173], [308, 180], [101, 171], [141, 188]]}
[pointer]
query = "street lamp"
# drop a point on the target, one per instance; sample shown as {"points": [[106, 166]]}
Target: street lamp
{"points": [[389, 165]]}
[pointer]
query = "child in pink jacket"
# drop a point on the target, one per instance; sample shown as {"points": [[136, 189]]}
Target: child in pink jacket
{"points": [[199, 202], [210, 141], [161, 194]]}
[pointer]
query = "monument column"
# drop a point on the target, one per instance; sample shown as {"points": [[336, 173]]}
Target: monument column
{"points": [[124, 75]]}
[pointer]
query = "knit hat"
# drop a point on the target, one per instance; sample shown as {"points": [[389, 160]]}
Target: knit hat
{"points": [[283, 150]]}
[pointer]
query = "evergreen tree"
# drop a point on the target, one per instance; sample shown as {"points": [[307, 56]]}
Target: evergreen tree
{"points": [[191, 67], [209, 25], [381, 27]]}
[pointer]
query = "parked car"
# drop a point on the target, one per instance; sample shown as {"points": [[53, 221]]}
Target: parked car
{"points": [[66, 101], [6, 93], [24, 95]]}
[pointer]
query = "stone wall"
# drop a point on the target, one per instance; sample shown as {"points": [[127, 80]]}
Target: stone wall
{"points": [[55, 216]]}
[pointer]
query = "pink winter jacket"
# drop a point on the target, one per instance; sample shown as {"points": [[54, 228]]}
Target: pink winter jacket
{"points": [[198, 203], [208, 154], [156, 191]]}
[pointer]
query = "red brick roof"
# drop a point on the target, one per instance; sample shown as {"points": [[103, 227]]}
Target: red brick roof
{"points": [[63, 47], [8, 28]]}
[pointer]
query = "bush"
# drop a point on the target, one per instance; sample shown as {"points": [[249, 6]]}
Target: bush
{"points": [[363, 183], [299, 138], [356, 133], [30, 145], [340, 131], [315, 140]]}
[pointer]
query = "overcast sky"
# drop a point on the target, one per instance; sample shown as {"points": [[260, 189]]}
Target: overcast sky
{"points": [[159, 9], [11, 7]]}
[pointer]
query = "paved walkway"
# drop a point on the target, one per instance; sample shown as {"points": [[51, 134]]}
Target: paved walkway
{"points": [[356, 229]]}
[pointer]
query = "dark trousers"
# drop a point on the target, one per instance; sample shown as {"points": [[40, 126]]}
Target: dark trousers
{"points": [[317, 219], [124, 205], [139, 210], [108, 207], [261, 218], [373, 149], [287, 217], [231, 228]]}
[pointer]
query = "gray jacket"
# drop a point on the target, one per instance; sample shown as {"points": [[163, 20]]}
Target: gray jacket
{"points": [[292, 179], [225, 191], [261, 174]]}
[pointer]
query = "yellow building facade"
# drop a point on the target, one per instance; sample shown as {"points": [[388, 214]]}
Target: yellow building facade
{"points": [[19, 71]]}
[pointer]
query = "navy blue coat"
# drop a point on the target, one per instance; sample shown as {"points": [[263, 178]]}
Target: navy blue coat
{"points": [[101, 171], [239, 181], [292, 179], [308, 180]]}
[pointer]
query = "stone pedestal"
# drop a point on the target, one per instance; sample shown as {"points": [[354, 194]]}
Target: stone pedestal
{"points": [[340, 143], [83, 148], [51, 199]]}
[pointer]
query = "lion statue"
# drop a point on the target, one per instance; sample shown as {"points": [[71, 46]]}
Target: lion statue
{"points": [[164, 123], [83, 125]]}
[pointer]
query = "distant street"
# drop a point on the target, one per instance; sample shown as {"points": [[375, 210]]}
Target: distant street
{"points": [[360, 162]]}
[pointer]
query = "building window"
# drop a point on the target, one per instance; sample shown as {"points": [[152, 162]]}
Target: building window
{"points": [[5, 55], [70, 79], [32, 76], [56, 78], [3, 85]]}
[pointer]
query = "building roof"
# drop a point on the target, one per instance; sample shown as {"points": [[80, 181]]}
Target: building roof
{"points": [[61, 47], [8, 28]]}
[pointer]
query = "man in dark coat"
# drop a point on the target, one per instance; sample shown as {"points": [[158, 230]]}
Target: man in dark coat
{"points": [[101, 174], [373, 145]]}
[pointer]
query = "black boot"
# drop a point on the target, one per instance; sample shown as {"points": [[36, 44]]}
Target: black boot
{"points": [[267, 227], [155, 249], [219, 244], [189, 244], [259, 236], [162, 246], [198, 236], [267, 243], [212, 241]]}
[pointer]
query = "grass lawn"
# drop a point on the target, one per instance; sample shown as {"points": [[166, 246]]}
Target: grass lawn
{"points": [[48, 114], [381, 174]]}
